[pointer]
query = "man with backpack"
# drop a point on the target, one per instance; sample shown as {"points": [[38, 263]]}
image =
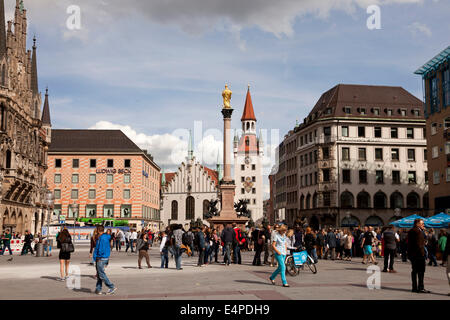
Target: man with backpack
{"points": [[177, 242], [228, 236]]}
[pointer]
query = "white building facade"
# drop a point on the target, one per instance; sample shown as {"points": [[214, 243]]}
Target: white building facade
{"points": [[248, 159]]}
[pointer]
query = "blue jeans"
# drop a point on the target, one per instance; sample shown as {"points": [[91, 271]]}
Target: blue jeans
{"points": [[177, 254], [7, 245], [237, 254], [101, 275], [313, 254], [165, 258], [131, 244], [207, 253], [281, 268], [227, 252]]}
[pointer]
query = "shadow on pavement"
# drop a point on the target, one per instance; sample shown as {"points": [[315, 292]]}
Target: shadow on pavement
{"points": [[253, 282], [400, 289], [83, 290]]}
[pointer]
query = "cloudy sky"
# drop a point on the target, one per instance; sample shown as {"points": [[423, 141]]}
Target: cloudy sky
{"points": [[153, 68]]}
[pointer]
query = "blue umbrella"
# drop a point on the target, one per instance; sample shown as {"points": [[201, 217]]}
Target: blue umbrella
{"points": [[440, 220], [407, 222]]}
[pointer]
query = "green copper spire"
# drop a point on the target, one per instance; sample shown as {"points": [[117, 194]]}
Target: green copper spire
{"points": [[163, 178]]}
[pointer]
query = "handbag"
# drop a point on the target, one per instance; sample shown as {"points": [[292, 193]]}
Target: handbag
{"points": [[67, 247]]}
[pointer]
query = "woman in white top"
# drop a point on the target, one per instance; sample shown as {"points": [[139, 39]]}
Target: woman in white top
{"points": [[279, 245]]}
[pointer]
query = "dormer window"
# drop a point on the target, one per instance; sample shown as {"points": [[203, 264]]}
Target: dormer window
{"points": [[328, 111], [348, 110], [403, 112], [416, 112], [362, 111], [389, 112], [376, 111]]}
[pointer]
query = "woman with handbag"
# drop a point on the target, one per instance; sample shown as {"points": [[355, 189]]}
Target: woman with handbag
{"points": [[66, 248]]}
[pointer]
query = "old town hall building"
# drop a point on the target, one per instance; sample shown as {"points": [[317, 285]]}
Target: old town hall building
{"points": [[25, 134]]}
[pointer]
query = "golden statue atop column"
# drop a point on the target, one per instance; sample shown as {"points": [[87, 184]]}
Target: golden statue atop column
{"points": [[226, 94]]}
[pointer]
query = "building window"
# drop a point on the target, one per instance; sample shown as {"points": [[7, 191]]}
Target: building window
{"points": [[395, 177], [376, 111], [327, 131], [345, 131], [434, 99], [435, 152], [425, 132], [92, 178], [109, 194], [326, 175], [346, 178], [378, 154], [395, 154], [253, 167], [411, 155], [326, 199], [127, 163], [389, 112], [326, 153], [416, 112], [91, 211], [433, 129], [242, 191], [126, 194], [75, 178], [411, 177], [109, 178], [425, 153], [447, 170], [348, 110], [362, 176], [110, 163], [58, 163], [394, 133], [436, 177], [362, 154], [426, 177], [363, 111], [125, 211], [410, 133], [446, 86], [379, 177], [403, 112], [377, 132], [253, 190], [328, 111], [242, 179], [361, 132], [92, 194], [242, 167], [190, 208], [126, 178], [345, 153], [253, 179], [447, 147], [57, 194], [108, 211], [93, 163], [75, 163], [174, 214], [57, 178], [74, 194]]}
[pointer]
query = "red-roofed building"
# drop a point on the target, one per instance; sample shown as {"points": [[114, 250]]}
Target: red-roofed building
{"points": [[248, 155]]}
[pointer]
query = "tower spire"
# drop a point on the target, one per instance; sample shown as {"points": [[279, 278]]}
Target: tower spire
{"points": [[2, 29], [46, 112], [34, 76], [190, 148], [249, 113]]}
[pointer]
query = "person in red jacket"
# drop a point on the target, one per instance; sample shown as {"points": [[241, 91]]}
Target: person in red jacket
{"points": [[240, 240]]}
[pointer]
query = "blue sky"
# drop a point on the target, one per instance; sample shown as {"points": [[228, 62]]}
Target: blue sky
{"points": [[155, 66]]}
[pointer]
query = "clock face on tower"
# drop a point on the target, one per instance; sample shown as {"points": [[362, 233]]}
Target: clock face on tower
{"points": [[248, 160]]}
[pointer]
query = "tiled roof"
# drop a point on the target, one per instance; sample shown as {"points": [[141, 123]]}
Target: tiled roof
{"points": [[92, 141], [212, 173]]}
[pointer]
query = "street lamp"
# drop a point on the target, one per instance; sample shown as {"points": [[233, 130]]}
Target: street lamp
{"points": [[74, 208], [49, 200]]}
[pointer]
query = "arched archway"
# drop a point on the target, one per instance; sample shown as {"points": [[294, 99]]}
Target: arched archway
{"points": [[396, 200], [363, 200], [302, 202], [413, 200], [315, 201], [374, 221], [36, 223], [314, 223], [379, 200], [174, 210], [351, 221], [426, 201], [347, 200], [308, 201], [20, 223], [190, 208]]}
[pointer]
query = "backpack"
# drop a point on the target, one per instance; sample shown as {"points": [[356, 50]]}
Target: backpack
{"points": [[185, 239]]}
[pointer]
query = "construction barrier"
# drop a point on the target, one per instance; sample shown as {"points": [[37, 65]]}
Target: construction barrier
{"points": [[17, 246]]}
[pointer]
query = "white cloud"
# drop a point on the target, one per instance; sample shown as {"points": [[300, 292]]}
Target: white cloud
{"points": [[417, 27]]}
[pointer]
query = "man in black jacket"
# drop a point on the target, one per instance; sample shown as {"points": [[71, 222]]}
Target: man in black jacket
{"points": [[228, 236], [27, 243], [416, 254], [330, 243]]}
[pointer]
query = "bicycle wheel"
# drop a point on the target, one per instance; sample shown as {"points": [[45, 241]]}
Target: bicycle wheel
{"points": [[311, 265], [290, 267]]}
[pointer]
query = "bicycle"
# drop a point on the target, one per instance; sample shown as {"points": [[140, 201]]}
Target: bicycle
{"points": [[294, 269]]}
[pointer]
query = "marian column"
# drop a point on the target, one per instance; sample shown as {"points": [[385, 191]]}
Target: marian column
{"points": [[227, 186]]}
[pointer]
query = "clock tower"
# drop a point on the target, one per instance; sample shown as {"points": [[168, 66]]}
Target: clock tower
{"points": [[248, 156]]}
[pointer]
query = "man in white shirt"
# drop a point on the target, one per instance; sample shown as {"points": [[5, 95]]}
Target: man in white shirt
{"points": [[133, 238], [127, 240]]}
